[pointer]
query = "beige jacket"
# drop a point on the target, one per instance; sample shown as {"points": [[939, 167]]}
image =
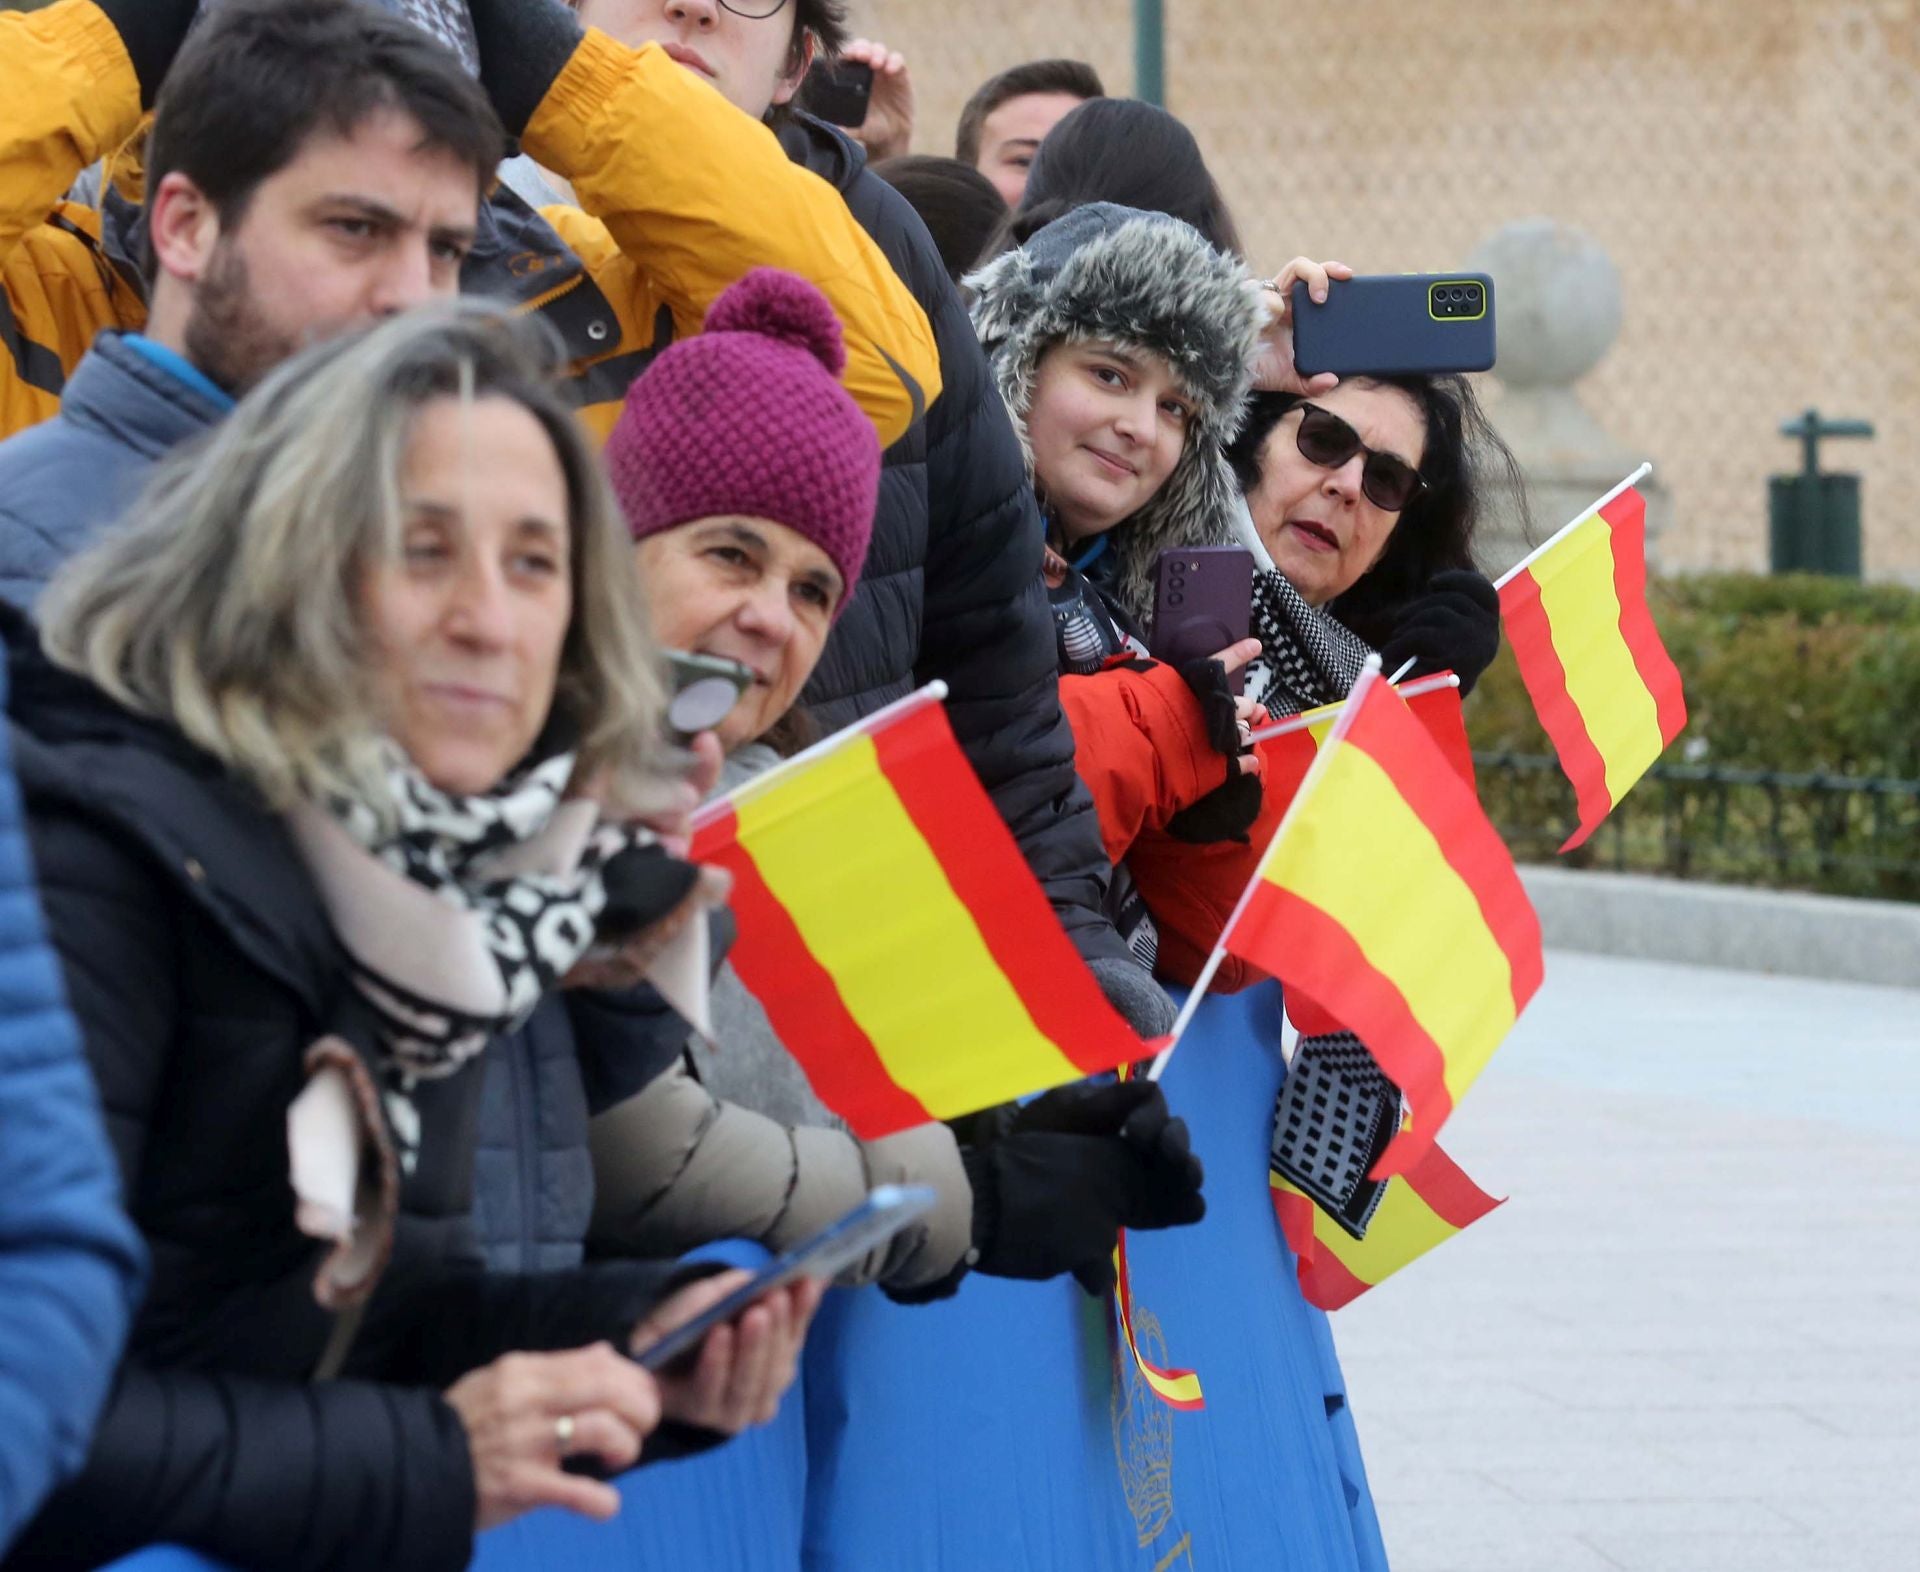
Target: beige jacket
{"points": [[732, 1144]]}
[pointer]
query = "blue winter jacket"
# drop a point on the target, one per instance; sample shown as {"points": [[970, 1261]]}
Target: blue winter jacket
{"points": [[71, 1264], [63, 480]]}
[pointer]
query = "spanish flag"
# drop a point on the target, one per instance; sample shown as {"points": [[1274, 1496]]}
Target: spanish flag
{"points": [[895, 936], [1424, 1206], [1388, 899], [1602, 682], [1176, 1388], [1288, 749]]}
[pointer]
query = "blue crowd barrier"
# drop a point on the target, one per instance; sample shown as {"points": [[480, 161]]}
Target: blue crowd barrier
{"points": [[1006, 1427]]}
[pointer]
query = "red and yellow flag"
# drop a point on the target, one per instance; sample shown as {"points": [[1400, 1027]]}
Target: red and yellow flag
{"points": [[1175, 1388], [1600, 679], [1435, 703], [1424, 1206], [1388, 898], [895, 936]]}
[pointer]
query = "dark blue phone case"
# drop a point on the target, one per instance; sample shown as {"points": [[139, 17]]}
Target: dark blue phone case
{"points": [[1391, 323]]}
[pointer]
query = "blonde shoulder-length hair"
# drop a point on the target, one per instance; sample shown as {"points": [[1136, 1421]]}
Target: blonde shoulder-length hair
{"points": [[228, 600]]}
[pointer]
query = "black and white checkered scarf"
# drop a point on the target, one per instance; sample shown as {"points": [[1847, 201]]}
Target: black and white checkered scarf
{"points": [[1306, 656]]}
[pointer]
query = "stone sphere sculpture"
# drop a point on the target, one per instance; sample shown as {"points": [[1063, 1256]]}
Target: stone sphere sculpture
{"points": [[1557, 294]]}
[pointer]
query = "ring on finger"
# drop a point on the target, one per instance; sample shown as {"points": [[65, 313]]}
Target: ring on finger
{"points": [[563, 1432]]}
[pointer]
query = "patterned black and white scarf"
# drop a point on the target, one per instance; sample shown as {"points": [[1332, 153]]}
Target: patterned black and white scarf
{"points": [[1335, 1111], [446, 20], [458, 913], [1306, 657]]}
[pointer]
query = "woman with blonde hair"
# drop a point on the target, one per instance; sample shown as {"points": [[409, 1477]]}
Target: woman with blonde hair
{"points": [[328, 754]]}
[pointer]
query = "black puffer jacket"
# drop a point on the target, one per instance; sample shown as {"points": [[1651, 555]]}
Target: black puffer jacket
{"points": [[200, 965], [952, 585]]}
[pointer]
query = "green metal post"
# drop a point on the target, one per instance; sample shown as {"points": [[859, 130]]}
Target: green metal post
{"points": [[1149, 52]]}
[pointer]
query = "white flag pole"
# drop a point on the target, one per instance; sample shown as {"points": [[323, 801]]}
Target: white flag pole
{"points": [[1312, 718], [932, 693], [1342, 723], [1540, 551]]}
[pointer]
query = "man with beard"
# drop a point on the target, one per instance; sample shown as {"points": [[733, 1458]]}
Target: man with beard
{"points": [[318, 164], [353, 155]]}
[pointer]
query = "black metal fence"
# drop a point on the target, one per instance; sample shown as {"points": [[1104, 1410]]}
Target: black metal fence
{"points": [[1844, 835]]}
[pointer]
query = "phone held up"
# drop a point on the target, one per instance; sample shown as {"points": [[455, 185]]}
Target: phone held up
{"points": [[705, 688], [1202, 602], [886, 1210], [839, 93], [1388, 324]]}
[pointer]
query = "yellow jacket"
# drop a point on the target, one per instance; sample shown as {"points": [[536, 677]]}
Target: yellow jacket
{"points": [[680, 194], [71, 97]]}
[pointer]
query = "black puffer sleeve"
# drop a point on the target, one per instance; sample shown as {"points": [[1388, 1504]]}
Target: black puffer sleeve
{"points": [[321, 1478], [983, 624]]}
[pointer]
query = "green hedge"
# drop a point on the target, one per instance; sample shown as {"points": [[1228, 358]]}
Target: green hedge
{"points": [[1794, 676]]}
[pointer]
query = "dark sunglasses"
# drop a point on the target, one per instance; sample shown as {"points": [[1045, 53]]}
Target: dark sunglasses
{"points": [[1388, 481]]}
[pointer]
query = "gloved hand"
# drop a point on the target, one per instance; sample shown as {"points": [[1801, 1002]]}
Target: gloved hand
{"points": [[1143, 1004], [1454, 626], [1227, 812], [1055, 1181], [524, 45]]}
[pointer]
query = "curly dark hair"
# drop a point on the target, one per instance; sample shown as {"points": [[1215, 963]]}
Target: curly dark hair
{"points": [[1465, 460]]}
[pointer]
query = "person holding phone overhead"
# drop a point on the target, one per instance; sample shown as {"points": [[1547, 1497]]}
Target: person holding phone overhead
{"points": [[748, 480], [329, 757], [1364, 498]]}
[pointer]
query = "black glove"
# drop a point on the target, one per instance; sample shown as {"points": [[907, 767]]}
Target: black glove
{"points": [[152, 31], [1058, 1179], [524, 45], [1227, 812], [1208, 680], [1454, 626]]}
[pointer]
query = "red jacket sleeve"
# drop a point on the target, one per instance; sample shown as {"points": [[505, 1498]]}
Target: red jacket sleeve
{"points": [[1192, 890], [1140, 745]]}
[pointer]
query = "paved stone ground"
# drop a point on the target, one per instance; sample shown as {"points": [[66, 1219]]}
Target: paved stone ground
{"points": [[1691, 1340]]}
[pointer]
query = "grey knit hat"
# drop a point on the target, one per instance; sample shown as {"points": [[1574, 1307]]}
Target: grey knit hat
{"points": [[1145, 281]]}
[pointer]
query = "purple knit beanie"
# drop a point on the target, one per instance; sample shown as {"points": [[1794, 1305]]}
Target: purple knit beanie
{"points": [[750, 419]]}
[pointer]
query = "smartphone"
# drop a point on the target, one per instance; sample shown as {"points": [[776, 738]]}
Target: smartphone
{"points": [[886, 1211], [838, 93], [1388, 324], [705, 689], [1202, 602]]}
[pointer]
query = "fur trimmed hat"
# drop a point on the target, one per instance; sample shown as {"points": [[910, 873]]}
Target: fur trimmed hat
{"points": [[1146, 281]]}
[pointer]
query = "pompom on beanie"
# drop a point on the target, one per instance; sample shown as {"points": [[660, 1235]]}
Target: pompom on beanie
{"points": [[749, 420]]}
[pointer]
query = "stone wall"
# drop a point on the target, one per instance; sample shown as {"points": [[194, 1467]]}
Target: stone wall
{"points": [[1753, 167]]}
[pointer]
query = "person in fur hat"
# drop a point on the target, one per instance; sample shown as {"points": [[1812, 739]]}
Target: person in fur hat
{"points": [[1125, 346]]}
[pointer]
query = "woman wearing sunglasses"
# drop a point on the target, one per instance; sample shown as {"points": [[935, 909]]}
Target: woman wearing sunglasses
{"points": [[1366, 497], [1359, 501]]}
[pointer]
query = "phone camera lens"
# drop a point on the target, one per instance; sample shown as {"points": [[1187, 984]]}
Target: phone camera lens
{"points": [[1177, 581], [1175, 599]]}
